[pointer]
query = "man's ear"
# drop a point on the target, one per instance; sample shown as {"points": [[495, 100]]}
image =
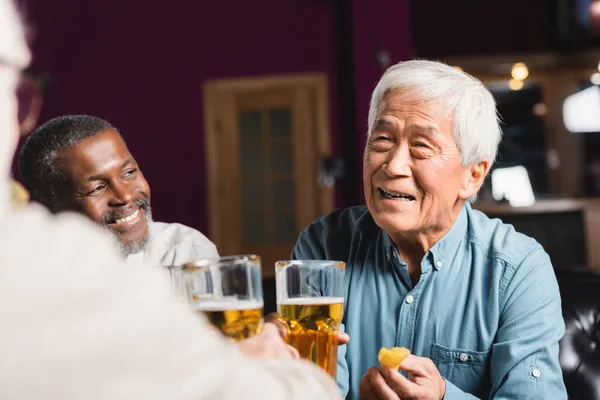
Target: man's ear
{"points": [[474, 175]]}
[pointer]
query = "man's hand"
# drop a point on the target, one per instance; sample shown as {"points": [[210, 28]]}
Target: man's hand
{"points": [[424, 383], [267, 344], [273, 318]]}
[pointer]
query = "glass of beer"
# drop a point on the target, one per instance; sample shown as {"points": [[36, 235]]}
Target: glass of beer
{"points": [[228, 290], [310, 302]]}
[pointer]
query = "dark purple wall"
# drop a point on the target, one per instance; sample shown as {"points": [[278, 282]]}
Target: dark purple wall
{"points": [[142, 64], [449, 28], [378, 26]]}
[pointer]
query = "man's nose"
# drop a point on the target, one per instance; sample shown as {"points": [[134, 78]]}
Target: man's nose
{"points": [[399, 162], [123, 193]]}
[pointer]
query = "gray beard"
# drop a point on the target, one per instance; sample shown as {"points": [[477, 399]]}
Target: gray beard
{"points": [[137, 246]]}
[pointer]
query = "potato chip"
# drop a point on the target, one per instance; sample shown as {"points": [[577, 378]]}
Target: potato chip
{"points": [[393, 357]]}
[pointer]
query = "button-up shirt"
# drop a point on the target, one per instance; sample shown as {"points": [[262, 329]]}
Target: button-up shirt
{"points": [[486, 308]]}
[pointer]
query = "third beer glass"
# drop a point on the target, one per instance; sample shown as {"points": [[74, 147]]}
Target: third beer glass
{"points": [[310, 301], [228, 290]]}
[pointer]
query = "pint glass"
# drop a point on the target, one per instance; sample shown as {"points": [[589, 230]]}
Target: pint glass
{"points": [[310, 301], [228, 290]]}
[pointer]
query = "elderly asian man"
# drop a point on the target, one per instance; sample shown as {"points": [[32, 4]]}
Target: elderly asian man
{"points": [[476, 302]]}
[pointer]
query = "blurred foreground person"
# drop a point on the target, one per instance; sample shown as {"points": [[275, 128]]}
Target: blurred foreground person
{"points": [[77, 324]]}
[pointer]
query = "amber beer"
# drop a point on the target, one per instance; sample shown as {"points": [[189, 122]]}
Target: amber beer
{"points": [[237, 320], [228, 290], [312, 326]]}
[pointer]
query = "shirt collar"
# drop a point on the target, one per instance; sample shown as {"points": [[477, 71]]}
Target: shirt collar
{"points": [[446, 245]]}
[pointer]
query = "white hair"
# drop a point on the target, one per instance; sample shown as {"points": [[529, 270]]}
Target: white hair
{"points": [[13, 47], [475, 122]]}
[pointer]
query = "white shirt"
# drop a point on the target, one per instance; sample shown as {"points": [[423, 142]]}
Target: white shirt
{"points": [[77, 324], [173, 244]]}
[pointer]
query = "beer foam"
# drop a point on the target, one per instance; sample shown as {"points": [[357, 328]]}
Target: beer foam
{"points": [[313, 301], [228, 305]]}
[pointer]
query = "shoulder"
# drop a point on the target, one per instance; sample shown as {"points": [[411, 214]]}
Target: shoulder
{"points": [[524, 263], [499, 240], [33, 232], [332, 235], [174, 235], [350, 220], [62, 253]]}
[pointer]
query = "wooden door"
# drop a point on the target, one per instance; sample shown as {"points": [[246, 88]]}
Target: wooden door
{"points": [[265, 138]]}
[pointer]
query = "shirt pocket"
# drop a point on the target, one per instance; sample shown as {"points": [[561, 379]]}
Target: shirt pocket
{"points": [[466, 369]]}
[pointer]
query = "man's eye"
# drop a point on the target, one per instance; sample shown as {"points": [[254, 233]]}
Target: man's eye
{"points": [[130, 172], [95, 190], [382, 138]]}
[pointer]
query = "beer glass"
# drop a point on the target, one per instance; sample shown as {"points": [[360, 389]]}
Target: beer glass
{"points": [[310, 302], [228, 290]]}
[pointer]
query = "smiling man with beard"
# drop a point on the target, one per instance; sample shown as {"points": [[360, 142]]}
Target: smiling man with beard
{"points": [[81, 163]]}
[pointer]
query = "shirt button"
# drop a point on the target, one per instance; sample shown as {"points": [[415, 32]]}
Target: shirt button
{"points": [[439, 263], [409, 299], [536, 373], [464, 357]]}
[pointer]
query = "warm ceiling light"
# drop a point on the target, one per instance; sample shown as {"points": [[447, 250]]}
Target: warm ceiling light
{"points": [[519, 71], [595, 78], [515, 84]]}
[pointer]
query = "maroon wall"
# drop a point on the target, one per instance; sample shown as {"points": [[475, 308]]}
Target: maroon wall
{"points": [[142, 65], [378, 26], [449, 28]]}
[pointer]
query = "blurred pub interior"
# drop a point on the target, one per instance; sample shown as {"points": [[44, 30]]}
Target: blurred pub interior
{"points": [[249, 118]]}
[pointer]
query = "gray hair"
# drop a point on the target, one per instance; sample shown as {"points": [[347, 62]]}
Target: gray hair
{"points": [[475, 122]]}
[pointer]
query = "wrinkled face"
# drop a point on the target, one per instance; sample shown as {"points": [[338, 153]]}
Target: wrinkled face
{"points": [[412, 174], [105, 183]]}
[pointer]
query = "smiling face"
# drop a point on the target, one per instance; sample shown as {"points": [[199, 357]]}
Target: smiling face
{"points": [[413, 179], [105, 183]]}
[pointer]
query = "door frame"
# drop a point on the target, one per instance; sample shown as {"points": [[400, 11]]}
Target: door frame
{"points": [[219, 102]]}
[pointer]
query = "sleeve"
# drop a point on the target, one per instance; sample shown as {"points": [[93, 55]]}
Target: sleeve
{"points": [[79, 324], [525, 352], [311, 246], [454, 393]]}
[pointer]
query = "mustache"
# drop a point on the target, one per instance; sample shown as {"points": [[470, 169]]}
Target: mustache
{"points": [[123, 211]]}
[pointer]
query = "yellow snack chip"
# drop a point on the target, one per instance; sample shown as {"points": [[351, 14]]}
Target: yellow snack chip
{"points": [[393, 357]]}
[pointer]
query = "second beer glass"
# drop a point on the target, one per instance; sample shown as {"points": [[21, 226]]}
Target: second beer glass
{"points": [[310, 301]]}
